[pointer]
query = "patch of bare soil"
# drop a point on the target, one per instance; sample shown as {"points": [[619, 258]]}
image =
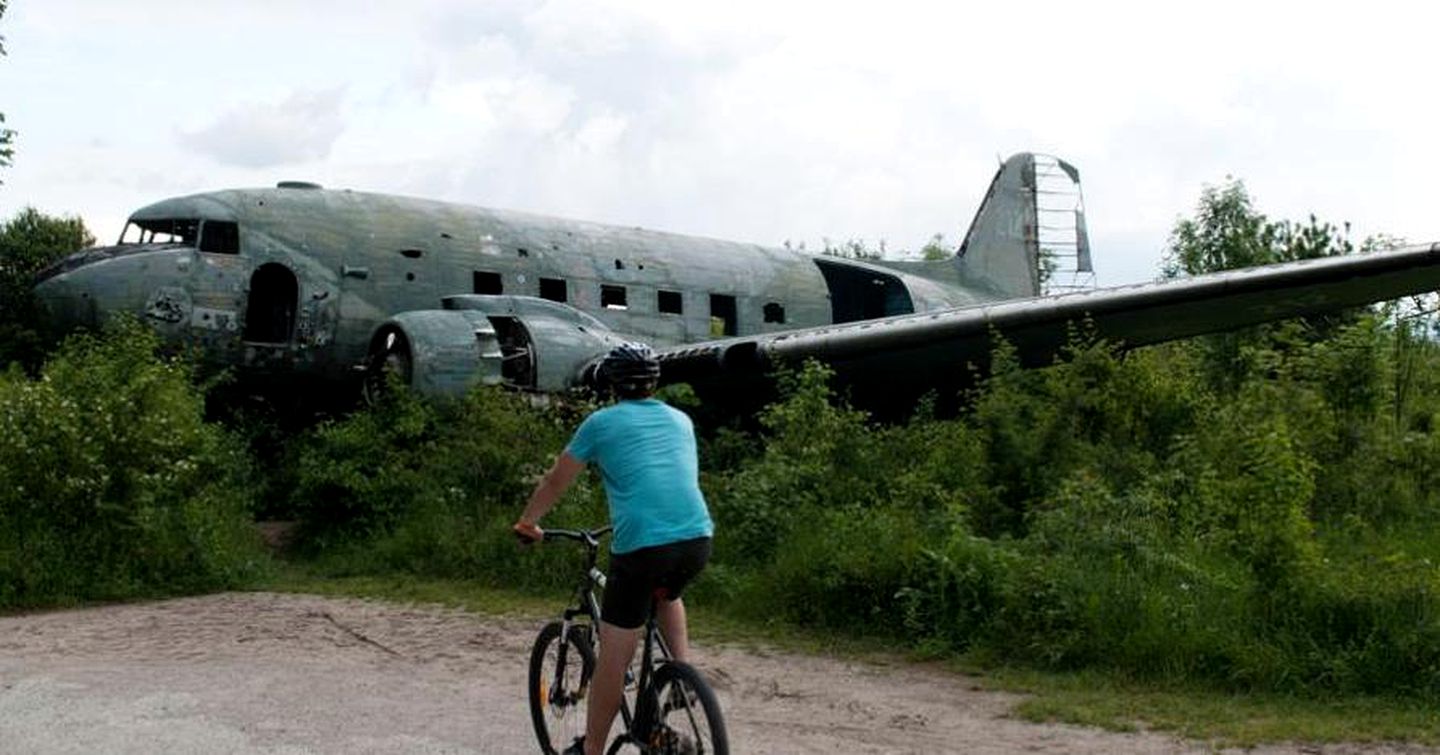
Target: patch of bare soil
{"points": [[269, 673]]}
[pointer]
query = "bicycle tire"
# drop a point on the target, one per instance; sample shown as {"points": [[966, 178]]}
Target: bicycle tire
{"points": [[558, 699], [685, 723]]}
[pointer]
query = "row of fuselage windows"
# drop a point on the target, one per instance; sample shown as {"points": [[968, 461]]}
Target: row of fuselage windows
{"points": [[614, 296]]}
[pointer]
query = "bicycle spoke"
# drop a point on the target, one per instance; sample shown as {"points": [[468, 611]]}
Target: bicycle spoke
{"points": [[688, 720], [559, 676]]}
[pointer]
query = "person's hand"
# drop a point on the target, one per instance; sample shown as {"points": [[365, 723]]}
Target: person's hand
{"points": [[528, 533]]}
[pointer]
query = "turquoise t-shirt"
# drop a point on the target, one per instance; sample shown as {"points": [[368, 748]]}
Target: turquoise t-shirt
{"points": [[646, 453]]}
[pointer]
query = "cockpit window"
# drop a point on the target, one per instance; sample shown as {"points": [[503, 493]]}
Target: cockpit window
{"points": [[161, 231]]}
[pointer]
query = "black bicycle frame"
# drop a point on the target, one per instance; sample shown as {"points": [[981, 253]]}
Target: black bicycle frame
{"points": [[586, 605]]}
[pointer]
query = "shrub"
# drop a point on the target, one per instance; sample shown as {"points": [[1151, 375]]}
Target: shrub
{"points": [[432, 488], [816, 456], [111, 483], [847, 569]]}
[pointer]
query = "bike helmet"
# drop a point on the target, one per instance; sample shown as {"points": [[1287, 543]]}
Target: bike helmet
{"points": [[630, 367]]}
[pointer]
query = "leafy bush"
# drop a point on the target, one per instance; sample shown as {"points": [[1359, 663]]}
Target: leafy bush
{"points": [[1093, 410], [814, 455], [1128, 518], [111, 483], [432, 488], [847, 569]]}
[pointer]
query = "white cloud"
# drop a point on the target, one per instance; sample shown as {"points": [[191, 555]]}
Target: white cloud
{"points": [[753, 120], [301, 128]]}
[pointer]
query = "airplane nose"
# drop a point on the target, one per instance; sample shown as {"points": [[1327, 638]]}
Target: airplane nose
{"points": [[90, 285], [64, 304], [64, 290]]}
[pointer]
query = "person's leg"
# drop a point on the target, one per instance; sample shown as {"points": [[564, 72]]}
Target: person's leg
{"points": [[617, 646], [686, 560], [671, 614]]}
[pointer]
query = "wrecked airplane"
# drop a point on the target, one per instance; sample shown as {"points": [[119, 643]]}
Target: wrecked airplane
{"points": [[300, 284]]}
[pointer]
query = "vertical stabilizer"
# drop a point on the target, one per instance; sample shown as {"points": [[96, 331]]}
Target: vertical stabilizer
{"points": [[1030, 226]]}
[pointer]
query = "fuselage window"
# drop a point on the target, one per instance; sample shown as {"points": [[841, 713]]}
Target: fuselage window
{"points": [[722, 315], [669, 302], [775, 312], [219, 237], [612, 297], [553, 289], [488, 283]]}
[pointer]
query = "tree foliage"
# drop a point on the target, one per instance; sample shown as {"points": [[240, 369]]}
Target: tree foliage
{"points": [[1228, 233], [29, 242], [935, 249], [7, 136]]}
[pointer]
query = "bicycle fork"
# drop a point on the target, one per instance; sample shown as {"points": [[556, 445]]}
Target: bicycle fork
{"points": [[567, 624]]}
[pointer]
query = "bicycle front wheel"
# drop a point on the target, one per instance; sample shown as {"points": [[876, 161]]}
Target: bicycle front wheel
{"points": [[687, 720], [559, 682]]}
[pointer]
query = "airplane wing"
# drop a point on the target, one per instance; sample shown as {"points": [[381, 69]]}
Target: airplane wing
{"points": [[912, 353]]}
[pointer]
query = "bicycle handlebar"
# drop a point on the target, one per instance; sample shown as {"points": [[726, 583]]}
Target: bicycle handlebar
{"points": [[589, 537]]}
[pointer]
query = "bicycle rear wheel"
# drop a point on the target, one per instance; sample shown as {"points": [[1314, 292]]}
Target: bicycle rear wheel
{"points": [[559, 682], [687, 720]]}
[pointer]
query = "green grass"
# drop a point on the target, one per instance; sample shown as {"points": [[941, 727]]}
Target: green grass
{"points": [[1222, 718], [1089, 699]]}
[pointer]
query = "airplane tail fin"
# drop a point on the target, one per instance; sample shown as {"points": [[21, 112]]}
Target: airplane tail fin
{"points": [[1029, 235]]}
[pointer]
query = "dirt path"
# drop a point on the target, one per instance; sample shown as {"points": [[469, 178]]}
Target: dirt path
{"points": [[268, 673]]}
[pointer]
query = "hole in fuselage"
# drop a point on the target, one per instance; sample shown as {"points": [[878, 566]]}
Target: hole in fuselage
{"points": [[270, 309], [858, 293], [723, 320]]}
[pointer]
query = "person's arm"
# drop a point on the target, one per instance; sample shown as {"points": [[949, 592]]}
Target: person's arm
{"points": [[556, 481]]}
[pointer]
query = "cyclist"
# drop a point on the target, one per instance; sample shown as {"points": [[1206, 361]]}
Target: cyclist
{"points": [[645, 450]]}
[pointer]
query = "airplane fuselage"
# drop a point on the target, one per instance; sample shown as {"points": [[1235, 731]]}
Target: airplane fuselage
{"points": [[298, 280]]}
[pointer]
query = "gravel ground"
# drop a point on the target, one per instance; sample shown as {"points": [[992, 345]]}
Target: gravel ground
{"points": [[271, 673]]}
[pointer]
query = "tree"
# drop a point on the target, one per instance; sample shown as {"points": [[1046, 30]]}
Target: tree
{"points": [[935, 249], [1228, 233], [29, 242], [7, 136], [854, 249]]}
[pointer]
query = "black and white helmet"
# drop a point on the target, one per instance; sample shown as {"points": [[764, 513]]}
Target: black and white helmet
{"points": [[630, 366]]}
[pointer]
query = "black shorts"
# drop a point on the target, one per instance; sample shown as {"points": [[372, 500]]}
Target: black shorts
{"points": [[635, 576]]}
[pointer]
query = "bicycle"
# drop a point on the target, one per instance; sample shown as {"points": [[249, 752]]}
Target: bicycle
{"points": [[675, 711]]}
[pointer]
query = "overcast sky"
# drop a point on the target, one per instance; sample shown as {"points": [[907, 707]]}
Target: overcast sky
{"points": [[756, 121]]}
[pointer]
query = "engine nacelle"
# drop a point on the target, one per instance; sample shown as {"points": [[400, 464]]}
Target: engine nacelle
{"points": [[521, 341]]}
